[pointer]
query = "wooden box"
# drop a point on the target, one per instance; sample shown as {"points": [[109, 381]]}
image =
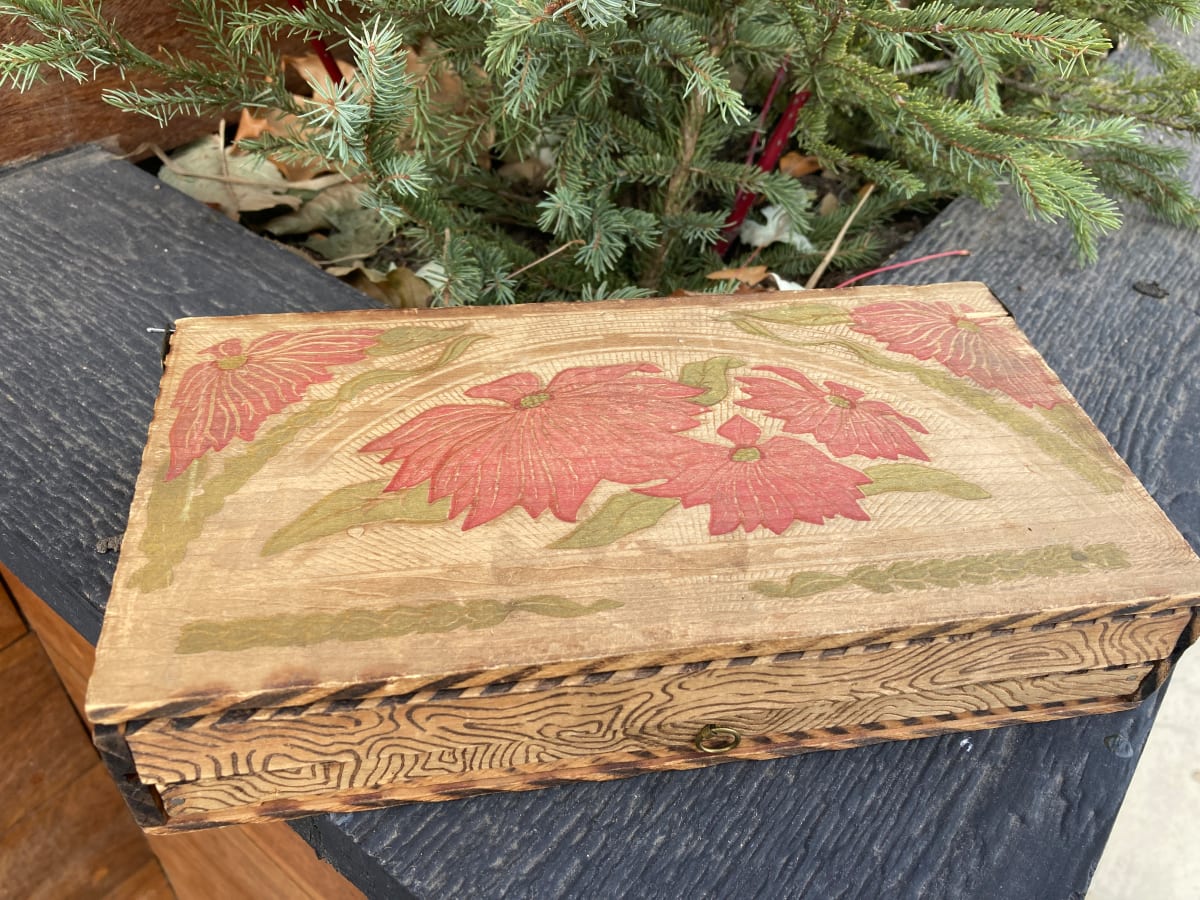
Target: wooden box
{"points": [[385, 556]]}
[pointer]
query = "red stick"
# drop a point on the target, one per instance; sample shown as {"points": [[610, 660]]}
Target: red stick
{"points": [[902, 265], [776, 84], [770, 157], [322, 51]]}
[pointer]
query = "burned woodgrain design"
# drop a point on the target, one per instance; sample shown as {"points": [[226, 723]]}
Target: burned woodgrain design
{"points": [[409, 748], [291, 793], [463, 731]]}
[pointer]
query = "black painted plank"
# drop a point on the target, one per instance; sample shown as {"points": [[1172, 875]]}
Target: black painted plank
{"points": [[93, 252]]}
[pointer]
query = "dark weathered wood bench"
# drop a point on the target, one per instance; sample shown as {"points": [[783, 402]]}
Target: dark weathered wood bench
{"points": [[95, 251]]}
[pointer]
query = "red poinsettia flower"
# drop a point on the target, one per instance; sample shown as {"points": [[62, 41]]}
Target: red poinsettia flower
{"points": [[543, 447], [772, 484], [986, 351], [233, 394], [836, 415]]}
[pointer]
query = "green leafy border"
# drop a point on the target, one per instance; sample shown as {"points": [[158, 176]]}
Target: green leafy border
{"points": [[928, 574], [439, 617]]}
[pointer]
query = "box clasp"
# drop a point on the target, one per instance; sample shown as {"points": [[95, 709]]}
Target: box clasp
{"points": [[716, 739]]}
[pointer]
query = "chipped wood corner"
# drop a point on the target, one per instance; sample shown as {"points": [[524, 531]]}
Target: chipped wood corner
{"points": [[143, 801]]}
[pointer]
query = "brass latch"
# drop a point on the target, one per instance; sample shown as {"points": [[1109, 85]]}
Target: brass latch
{"points": [[716, 739]]}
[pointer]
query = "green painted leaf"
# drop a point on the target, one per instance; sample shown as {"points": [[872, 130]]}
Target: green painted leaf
{"points": [[358, 504], [802, 584], [927, 574], [411, 337], [813, 315], [561, 608], [712, 375], [621, 515], [889, 478], [751, 327], [307, 629]]}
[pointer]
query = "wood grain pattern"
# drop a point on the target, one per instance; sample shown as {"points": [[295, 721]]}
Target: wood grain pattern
{"points": [[1046, 520], [79, 842], [61, 113], [431, 737], [12, 626], [254, 798], [53, 786], [43, 744], [247, 861], [72, 657]]}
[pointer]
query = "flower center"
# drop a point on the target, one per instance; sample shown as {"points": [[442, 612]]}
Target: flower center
{"points": [[229, 363], [746, 454], [966, 325], [529, 401], [835, 400]]}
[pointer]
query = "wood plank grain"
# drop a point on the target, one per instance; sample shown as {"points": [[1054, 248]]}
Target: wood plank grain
{"points": [[12, 626], [376, 743], [71, 655], [60, 112], [329, 786], [267, 859], [43, 743], [78, 842]]}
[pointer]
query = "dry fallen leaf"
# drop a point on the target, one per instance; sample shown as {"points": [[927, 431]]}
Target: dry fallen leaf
{"points": [[798, 165], [746, 274], [449, 94], [354, 230], [231, 182], [310, 68], [399, 288], [829, 205], [281, 124]]}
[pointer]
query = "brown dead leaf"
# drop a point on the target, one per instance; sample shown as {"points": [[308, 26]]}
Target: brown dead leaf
{"points": [[448, 93], [235, 183], [273, 121], [828, 205], [447, 90], [750, 275], [310, 68], [797, 165], [532, 170], [400, 288]]}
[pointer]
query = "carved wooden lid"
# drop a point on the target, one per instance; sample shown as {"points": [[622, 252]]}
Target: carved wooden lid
{"points": [[351, 504]]}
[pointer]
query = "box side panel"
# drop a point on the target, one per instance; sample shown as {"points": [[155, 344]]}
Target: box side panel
{"points": [[461, 732], [319, 787]]}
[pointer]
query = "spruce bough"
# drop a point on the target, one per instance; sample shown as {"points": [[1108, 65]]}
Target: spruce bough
{"points": [[642, 113]]}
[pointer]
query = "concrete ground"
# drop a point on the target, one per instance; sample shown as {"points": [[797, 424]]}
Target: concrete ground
{"points": [[1154, 849]]}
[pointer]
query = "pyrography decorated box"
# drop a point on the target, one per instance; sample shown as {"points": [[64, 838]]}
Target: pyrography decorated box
{"points": [[387, 556]]}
